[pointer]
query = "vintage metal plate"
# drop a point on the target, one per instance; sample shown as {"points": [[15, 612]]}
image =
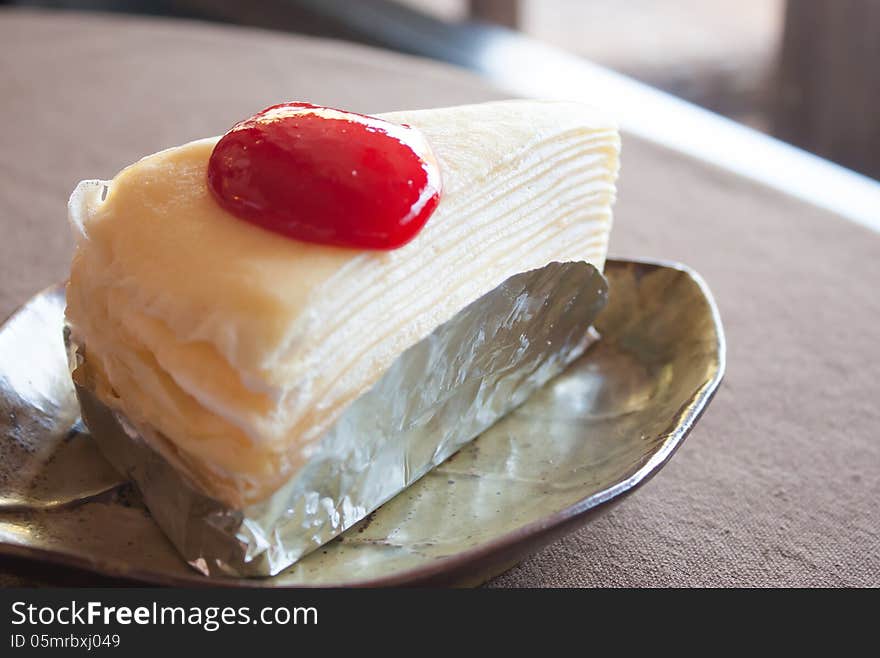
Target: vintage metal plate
{"points": [[587, 438]]}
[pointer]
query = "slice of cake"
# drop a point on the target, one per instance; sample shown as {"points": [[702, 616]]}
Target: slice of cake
{"points": [[241, 347]]}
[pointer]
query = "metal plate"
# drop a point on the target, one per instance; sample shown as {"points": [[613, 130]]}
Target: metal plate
{"points": [[587, 438]]}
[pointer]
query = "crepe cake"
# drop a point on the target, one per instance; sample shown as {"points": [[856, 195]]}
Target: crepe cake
{"points": [[241, 345]]}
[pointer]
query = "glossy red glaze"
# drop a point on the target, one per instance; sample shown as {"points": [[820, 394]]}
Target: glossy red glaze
{"points": [[328, 176]]}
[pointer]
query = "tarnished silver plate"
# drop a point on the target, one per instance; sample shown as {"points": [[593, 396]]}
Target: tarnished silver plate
{"points": [[588, 437]]}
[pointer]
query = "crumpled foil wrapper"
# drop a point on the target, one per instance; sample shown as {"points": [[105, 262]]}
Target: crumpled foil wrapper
{"points": [[438, 395]]}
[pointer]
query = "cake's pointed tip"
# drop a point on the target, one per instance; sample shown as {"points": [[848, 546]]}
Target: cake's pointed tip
{"points": [[84, 199]]}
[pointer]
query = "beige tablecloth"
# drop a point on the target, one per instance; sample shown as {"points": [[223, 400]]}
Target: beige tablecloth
{"points": [[779, 484]]}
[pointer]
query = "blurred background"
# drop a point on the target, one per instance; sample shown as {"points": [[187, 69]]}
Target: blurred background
{"points": [[806, 71]]}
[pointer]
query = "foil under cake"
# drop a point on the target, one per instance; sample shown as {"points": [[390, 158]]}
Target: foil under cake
{"points": [[437, 396]]}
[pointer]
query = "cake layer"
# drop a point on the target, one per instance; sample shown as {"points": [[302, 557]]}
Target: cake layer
{"points": [[242, 347]]}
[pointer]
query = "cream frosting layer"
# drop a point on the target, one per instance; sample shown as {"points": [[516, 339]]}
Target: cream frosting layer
{"points": [[242, 347]]}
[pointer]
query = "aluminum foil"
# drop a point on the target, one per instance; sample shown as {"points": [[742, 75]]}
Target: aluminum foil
{"points": [[438, 395]]}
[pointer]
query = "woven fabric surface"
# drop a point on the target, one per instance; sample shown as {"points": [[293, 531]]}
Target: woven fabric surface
{"points": [[779, 483]]}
